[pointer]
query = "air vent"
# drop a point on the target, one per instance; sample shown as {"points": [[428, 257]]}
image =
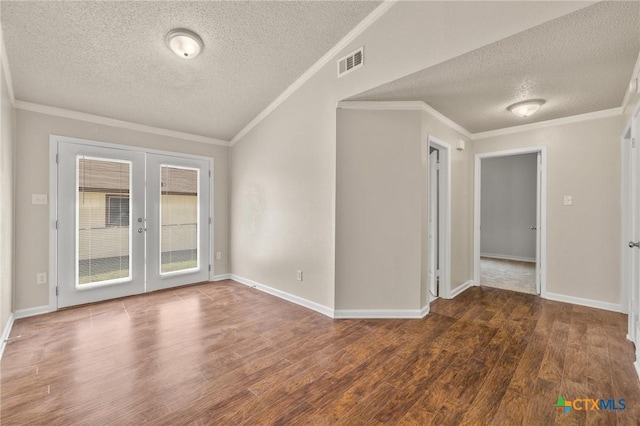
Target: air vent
{"points": [[351, 62]]}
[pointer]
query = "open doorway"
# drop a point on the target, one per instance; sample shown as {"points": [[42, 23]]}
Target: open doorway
{"points": [[438, 227], [509, 194]]}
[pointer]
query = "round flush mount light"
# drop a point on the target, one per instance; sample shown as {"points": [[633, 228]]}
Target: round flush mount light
{"points": [[525, 108], [184, 43]]}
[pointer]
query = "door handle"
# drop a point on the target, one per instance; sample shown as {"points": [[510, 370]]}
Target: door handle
{"points": [[533, 228], [632, 244], [140, 230]]}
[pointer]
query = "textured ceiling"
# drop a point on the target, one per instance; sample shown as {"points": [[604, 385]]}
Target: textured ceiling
{"points": [[110, 58], [579, 63]]}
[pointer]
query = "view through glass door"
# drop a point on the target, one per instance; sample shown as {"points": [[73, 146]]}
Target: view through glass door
{"points": [[129, 222]]}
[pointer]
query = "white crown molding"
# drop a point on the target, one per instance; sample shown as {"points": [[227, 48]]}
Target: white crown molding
{"points": [[324, 310], [615, 307], [5, 334], [634, 75], [405, 106], [548, 123], [355, 32], [97, 119], [5, 67]]}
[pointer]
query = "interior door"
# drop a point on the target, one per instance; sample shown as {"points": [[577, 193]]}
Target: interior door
{"points": [[433, 223], [101, 202], [538, 221], [634, 241], [178, 221]]}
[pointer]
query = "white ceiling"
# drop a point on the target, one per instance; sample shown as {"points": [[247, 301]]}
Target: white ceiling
{"points": [[110, 58], [578, 63]]}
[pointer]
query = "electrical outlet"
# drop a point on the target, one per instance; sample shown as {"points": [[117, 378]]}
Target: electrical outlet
{"points": [[41, 278], [218, 255], [299, 275]]}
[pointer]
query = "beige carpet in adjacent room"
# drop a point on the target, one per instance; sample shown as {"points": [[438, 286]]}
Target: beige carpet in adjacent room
{"points": [[508, 274]]}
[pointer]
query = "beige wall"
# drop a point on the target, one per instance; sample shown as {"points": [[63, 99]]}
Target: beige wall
{"points": [[284, 170], [32, 177], [7, 146], [583, 240], [380, 182]]}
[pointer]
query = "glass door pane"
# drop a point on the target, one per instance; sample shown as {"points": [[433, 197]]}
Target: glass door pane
{"points": [[103, 221], [178, 219]]}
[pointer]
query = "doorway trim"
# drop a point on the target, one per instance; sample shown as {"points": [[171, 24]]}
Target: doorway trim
{"points": [[541, 263], [444, 214], [53, 204]]}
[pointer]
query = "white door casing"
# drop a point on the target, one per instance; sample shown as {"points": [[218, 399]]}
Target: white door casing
{"points": [[541, 220], [433, 223]]}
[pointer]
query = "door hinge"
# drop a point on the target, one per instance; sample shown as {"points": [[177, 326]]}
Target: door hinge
{"points": [[209, 268], [57, 159], [56, 225], [56, 290], [209, 221], [209, 173]]}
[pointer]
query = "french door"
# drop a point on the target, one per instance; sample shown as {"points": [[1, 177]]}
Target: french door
{"points": [[129, 222]]}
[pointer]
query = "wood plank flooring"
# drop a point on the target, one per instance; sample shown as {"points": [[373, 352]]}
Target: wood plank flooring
{"points": [[224, 354]]}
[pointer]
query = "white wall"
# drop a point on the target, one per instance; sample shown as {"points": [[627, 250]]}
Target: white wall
{"points": [[7, 235], [32, 177], [508, 210], [283, 172], [583, 240]]}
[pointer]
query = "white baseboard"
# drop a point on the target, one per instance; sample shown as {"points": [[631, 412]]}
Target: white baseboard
{"points": [[221, 277], [379, 313], [615, 307], [5, 334], [507, 257], [29, 312], [324, 310], [456, 291], [425, 310]]}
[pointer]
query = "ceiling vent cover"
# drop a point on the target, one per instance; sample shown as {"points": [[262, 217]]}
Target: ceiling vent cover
{"points": [[351, 62]]}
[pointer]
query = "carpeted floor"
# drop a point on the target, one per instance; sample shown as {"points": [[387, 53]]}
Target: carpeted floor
{"points": [[508, 274]]}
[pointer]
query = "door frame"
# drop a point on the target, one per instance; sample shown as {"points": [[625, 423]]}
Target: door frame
{"points": [[444, 215], [53, 202], [629, 185], [541, 264]]}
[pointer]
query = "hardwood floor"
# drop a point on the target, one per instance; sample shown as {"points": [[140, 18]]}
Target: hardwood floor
{"points": [[223, 353]]}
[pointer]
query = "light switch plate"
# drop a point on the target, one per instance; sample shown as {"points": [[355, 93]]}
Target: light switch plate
{"points": [[41, 278], [39, 199], [568, 200]]}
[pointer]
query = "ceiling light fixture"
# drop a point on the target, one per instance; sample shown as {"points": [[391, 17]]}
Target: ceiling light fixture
{"points": [[184, 43], [525, 108]]}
